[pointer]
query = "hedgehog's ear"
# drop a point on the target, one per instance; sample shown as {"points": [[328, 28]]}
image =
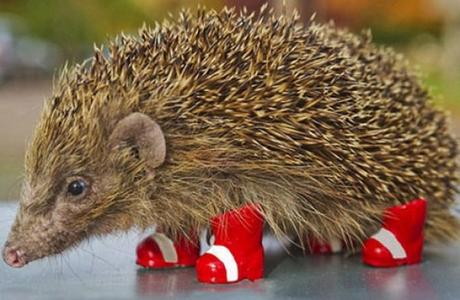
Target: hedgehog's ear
{"points": [[144, 134]]}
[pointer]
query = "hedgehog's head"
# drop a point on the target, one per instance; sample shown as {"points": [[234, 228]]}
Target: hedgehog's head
{"points": [[85, 176]]}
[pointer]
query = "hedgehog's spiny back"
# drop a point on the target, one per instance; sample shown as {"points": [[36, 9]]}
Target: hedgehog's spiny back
{"points": [[318, 125]]}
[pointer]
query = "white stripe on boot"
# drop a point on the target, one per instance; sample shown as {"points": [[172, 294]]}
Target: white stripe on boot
{"points": [[166, 247], [389, 241], [226, 257]]}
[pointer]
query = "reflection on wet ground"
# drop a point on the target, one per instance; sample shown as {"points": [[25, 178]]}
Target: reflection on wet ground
{"points": [[105, 269]]}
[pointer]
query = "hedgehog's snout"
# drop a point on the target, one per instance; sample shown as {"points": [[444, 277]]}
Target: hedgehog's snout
{"points": [[14, 257]]}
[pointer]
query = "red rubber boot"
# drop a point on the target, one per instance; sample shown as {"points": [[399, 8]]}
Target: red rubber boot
{"points": [[237, 253], [159, 251], [400, 240]]}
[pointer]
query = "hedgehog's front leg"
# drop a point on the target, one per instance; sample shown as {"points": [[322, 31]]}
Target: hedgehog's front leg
{"points": [[159, 251], [400, 240], [237, 253]]}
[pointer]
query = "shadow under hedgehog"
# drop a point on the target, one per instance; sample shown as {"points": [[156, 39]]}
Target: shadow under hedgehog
{"points": [[233, 121]]}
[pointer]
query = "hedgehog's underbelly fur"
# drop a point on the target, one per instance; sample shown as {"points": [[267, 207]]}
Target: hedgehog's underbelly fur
{"points": [[319, 126]]}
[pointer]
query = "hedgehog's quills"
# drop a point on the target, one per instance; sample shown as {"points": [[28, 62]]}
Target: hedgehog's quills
{"points": [[321, 127]]}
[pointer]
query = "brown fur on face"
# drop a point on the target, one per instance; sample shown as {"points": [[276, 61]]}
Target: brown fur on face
{"points": [[51, 219], [319, 126]]}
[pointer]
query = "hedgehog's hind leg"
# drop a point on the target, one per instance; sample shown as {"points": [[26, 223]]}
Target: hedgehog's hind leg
{"points": [[159, 251], [400, 240]]}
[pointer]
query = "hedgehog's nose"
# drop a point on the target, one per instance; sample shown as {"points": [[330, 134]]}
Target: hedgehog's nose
{"points": [[13, 257]]}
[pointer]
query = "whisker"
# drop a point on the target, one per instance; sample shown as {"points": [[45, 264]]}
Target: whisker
{"points": [[72, 270], [101, 259]]}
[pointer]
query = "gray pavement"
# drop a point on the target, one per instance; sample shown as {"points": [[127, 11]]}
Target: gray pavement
{"points": [[105, 269]]}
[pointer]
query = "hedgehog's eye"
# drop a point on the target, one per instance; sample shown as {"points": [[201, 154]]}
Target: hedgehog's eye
{"points": [[77, 187]]}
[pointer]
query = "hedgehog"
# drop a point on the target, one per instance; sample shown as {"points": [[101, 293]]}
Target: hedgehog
{"points": [[310, 129]]}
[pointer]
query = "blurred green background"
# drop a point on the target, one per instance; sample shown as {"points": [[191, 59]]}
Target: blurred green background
{"points": [[36, 37]]}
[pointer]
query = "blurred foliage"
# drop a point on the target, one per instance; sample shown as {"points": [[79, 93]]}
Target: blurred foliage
{"points": [[70, 24], [446, 93], [75, 24], [387, 35], [392, 22], [394, 13]]}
